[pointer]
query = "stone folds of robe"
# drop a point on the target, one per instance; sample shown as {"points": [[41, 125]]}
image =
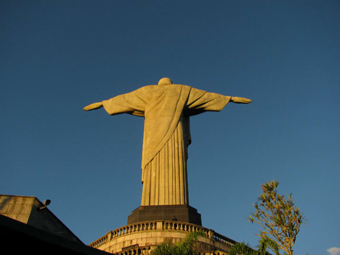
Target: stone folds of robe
{"points": [[166, 110]]}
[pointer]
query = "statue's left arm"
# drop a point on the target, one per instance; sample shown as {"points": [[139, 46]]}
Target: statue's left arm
{"points": [[131, 103], [93, 106], [200, 101], [240, 100]]}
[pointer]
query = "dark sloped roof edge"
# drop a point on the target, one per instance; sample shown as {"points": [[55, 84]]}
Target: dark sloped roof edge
{"points": [[19, 235]]}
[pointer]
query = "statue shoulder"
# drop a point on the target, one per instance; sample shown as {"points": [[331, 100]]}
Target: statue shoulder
{"points": [[147, 88], [146, 92], [180, 87]]}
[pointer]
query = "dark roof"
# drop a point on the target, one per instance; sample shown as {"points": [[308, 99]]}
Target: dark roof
{"points": [[21, 238]]}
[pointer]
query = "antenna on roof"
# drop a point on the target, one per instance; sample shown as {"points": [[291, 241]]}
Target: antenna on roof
{"points": [[45, 204]]}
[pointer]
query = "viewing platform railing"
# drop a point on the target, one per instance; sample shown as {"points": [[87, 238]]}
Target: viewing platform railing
{"points": [[161, 226]]}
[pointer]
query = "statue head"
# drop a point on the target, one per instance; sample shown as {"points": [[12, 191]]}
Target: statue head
{"points": [[164, 81]]}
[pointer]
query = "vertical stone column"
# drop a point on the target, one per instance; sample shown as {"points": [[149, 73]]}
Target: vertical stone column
{"points": [[159, 225]]}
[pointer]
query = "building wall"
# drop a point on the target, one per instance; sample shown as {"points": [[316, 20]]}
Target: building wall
{"points": [[26, 210], [16, 207]]}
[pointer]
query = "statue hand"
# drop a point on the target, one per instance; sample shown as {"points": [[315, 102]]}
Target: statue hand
{"points": [[93, 106], [240, 100]]}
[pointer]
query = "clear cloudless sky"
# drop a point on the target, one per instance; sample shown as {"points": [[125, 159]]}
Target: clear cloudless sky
{"points": [[58, 56]]}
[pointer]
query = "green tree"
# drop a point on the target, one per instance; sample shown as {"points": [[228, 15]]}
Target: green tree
{"points": [[279, 218], [245, 249], [241, 248], [266, 243], [186, 246]]}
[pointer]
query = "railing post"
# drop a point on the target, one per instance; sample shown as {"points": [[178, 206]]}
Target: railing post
{"points": [[159, 225], [109, 236], [211, 234]]}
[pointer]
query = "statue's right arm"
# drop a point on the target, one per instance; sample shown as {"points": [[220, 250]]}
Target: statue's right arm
{"points": [[240, 100], [93, 106]]}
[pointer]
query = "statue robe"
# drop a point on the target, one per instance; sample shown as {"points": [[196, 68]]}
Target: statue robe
{"points": [[166, 110]]}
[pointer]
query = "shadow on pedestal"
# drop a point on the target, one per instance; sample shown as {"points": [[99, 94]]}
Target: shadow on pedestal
{"points": [[183, 213]]}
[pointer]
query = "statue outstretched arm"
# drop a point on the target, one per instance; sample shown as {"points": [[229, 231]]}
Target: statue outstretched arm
{"points": [[132, 103], [93, 106], [240, 100]]}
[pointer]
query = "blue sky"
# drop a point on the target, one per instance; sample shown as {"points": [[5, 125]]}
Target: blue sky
{"points": [[58, 56]]}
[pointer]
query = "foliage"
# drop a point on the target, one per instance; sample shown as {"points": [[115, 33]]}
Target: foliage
{"points": [[278, 216], [184, 247], [266, 243], [245, 249], [241, 248]]}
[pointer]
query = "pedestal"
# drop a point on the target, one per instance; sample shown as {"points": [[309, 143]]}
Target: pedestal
{"points": [[182, 213]]}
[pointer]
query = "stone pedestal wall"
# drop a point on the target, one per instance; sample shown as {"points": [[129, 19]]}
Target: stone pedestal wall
{"points": [[143, 237], [183, 213]]}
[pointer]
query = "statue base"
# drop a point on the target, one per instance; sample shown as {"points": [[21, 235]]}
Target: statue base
{"points": [[183, 213]]}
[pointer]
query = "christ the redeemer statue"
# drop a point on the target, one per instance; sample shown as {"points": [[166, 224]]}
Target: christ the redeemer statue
{"points": [[166, 109]]}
